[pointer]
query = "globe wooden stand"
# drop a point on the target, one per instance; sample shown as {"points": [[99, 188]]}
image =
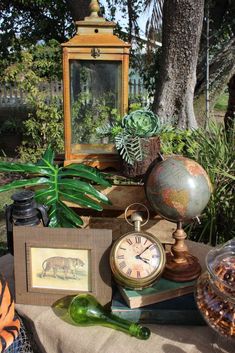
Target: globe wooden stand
{"points": [[180, 265]]}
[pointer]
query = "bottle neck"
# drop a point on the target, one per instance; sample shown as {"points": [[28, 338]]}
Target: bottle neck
{"points": [[84, 310], [126, 326]]}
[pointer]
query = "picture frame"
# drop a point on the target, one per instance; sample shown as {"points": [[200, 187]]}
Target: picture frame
{"points": [[51, 263]]}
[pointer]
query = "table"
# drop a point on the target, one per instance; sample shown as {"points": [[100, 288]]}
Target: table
{"points": [[55, 336]]}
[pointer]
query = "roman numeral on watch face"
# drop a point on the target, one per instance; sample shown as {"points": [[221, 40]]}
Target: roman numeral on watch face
{"points": [[129, 241], [122, 265]]}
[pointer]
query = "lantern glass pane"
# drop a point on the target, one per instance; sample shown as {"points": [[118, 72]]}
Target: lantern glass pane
{"points": [[95, 99]]}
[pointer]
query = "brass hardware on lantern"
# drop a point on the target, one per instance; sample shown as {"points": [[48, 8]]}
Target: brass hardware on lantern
{"points": [[95, 52]]}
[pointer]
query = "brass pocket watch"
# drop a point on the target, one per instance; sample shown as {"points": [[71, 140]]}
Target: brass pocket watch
{"points": [[137, 258]]}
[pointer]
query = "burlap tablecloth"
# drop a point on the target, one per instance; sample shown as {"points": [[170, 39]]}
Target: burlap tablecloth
{"points": [[52, 335]]}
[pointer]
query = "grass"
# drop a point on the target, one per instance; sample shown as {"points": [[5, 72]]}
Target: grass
{"points": [[5, 199], [222, 102], [214, 150]]}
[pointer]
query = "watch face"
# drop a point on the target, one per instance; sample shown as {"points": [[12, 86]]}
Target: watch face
{"points": [[138, 256]]}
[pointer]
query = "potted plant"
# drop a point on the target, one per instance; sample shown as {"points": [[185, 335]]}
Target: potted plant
{"points": [[54, 185], [136, 139]]}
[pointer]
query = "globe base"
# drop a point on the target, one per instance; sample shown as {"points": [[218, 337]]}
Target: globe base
{"points": [[188, 270]]}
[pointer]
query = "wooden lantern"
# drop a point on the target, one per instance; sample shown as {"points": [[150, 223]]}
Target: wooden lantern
{"points": [[95, 76]]}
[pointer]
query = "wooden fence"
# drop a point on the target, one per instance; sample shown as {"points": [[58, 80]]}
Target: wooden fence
{"points": [[13, 96]]}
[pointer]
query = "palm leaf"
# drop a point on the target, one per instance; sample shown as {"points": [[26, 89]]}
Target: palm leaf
{"points": [[69, 215], [56, 187], [80, 199], [44, 193], [63, 217], [13, 167], [47, 198], [155, 8], [23, 183], [83, 171], [82, 187], [54, 219], [48, 156]]}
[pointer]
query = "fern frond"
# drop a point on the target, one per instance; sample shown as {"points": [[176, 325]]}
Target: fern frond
{"points": [[104, 130], [129, 147], [137, 148], [122, 142]]}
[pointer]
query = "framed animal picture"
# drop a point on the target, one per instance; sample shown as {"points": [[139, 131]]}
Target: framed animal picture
{"points": [[50, 263]]}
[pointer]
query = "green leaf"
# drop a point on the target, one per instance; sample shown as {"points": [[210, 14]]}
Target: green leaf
{"points": [[51, 201], [54, 221], [23, 168], [81, 200], [48, 200], [44, 193], [82, 187], [70, 215], [55, 187], [130, 148], [85, 172], [48, 156], [22, 183], [65, 223]]}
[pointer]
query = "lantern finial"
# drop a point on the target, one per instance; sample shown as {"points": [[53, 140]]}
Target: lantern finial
{"points": [[94, 8]]}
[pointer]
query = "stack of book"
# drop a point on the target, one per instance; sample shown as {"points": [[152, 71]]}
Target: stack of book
{"points": [[166, 302]]}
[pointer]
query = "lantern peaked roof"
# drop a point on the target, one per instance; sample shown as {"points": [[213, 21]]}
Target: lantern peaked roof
{"points": [[95, 31]]}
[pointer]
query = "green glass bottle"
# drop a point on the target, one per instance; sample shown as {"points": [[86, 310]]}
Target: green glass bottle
{"points": [[85, 310]]}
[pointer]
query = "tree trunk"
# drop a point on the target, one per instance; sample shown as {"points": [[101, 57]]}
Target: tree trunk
{"points": [[182, 26], [230, 113], [79, 9], [221, 69]]}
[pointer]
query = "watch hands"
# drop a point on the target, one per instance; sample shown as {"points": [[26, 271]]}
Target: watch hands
{"points": [[145, 249], [138, 257], [144, 258]]}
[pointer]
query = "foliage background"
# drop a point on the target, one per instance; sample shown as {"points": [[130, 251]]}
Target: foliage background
{"points": [[30, 37], [44, 123]]}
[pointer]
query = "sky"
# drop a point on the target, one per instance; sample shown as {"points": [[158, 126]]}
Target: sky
{"points": [[123, 22], [142, 20]]}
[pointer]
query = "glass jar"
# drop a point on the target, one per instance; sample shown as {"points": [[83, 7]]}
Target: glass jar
{"points": [[215, 290]]}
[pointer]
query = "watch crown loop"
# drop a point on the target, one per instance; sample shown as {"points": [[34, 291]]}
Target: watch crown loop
{"points": [[137, 219]]}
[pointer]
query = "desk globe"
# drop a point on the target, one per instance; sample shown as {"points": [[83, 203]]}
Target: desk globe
{"points": [[178, 189]]}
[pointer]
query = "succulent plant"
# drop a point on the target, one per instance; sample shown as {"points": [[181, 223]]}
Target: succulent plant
{"points": [[142, 123], [129, 135]]}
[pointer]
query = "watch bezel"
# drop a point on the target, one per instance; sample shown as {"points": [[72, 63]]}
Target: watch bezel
{"points": [[134, 283]]}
